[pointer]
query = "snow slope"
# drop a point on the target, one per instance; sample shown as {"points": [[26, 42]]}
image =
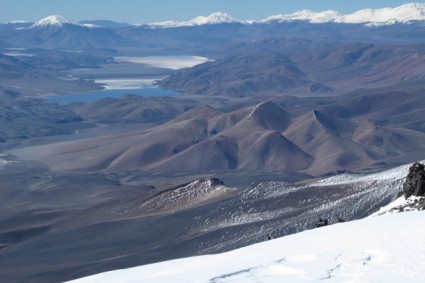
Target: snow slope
{"points": [[387, 248]]}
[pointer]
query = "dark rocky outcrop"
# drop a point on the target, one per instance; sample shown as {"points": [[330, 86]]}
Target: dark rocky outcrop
{"points": [[216, 182], [325, 222], [321, 223], [415, 181]]}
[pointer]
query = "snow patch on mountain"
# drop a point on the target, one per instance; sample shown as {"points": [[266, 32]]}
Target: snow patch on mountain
{"points": [[91, 26], [17, 22]]}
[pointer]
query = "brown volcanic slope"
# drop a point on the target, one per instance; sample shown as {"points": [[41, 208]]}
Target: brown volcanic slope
{"points": [[201, 140], [248, 139], [354, 131], [361, 131], [243, 75], [363, 65]]}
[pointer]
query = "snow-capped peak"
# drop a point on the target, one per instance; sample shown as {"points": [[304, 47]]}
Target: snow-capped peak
{"points": [[215, 18], [54, 20]]}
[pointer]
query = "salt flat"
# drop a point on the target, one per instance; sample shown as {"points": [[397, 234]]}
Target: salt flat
{"points": [[129, 83], [166, 62]]}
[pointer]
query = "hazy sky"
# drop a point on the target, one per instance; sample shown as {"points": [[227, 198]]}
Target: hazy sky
{"points": [[146, 11]]}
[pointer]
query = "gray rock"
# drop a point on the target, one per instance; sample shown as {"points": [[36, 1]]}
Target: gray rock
{"points": [[415, 181]]}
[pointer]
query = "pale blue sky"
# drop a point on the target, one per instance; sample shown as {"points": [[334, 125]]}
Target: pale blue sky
{"points": [[145, 11]]}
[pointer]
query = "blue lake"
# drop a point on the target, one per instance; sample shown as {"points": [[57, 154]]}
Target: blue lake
{"points": [[114, 93]]}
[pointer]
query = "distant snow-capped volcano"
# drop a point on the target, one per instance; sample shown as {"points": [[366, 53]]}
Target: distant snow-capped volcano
{"points": [[54, 20], [215, 18], [57, 21]]}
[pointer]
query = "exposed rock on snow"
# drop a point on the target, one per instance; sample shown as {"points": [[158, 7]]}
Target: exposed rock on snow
{"points": [[321, 223], [415, 181]]}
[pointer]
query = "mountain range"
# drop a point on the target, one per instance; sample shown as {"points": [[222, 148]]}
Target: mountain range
{"points": [[204, 33], [316, 136], [371, 17], [384, 16], [284, 65], [123, 145]]}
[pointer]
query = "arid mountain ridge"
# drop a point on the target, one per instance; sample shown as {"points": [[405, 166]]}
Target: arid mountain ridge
{"points": [[273, 67], [286, 134]]}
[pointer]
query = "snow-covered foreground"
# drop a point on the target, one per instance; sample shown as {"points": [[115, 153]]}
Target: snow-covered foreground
{"points": [[388, 248]]}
